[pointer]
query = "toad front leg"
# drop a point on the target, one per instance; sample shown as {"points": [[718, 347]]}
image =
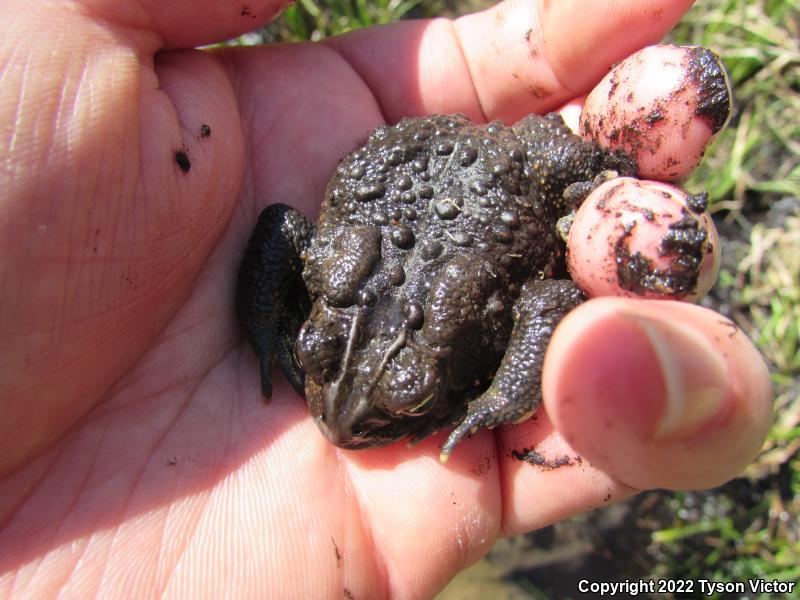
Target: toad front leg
{"points": [[271, 299], [515, 391]]}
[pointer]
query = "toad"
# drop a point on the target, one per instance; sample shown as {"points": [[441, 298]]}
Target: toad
{"points": [[425, 295]]}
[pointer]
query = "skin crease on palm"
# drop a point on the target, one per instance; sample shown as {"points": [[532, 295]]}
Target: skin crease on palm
{"points": [[138, 458]]}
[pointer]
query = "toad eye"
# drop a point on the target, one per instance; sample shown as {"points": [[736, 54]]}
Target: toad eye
{"points": [[319, 349], [410, 384]]}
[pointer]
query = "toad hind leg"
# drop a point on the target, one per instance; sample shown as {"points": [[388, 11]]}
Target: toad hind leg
{"points": [[516, 388], [271, 299]]}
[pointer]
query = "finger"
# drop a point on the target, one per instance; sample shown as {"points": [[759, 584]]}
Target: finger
{"points": [[513, 59], [662, 105], [670, 394], [643, 239], [187, 24], [545, 480], [155, 25], [449, 515]]}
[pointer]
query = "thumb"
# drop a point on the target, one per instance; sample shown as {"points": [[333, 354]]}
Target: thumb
{"points": [[671, 395]]}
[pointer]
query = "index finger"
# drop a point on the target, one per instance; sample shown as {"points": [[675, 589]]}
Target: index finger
{"points": [[510, 60]]}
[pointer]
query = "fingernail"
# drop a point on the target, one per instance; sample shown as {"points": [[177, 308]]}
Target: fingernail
{"points": [[694, 377]]}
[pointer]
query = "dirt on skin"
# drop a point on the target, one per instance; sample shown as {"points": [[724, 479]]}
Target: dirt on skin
{"points": [[683, 242]]}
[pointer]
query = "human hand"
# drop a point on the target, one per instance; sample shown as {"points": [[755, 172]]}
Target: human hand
{"points": [[138, 457]]}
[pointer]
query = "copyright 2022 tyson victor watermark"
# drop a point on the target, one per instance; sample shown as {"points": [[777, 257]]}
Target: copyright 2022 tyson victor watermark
{"points": [[697, 587]]}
